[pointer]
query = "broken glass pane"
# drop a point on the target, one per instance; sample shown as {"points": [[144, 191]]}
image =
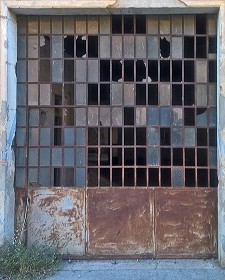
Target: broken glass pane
{"points": [[57, 46], [177, 116], [177, 24], [117, 116], [68, 94], [104, 47], [57, 70], [92, 25], [45, 94], [153, 116], [44, 156], [117, 94], [178, 177], [34, 117], [80, 177], [164, 94], [105, 116], [165, 116], [128, 94], [153, 156], [32, 94], [32, 46], [141, 47], [104, 24], [68, 136], [56, 156], [47, 117], [128, 46], [152, 22], [164, 22], [68, 156], [68, 116], [153, 47], [57, 25], [189, 137], [141, 71], [153, 136], [57, 94], [116, 70], [140, 116], [80, 70], [45, 46], [81, 25], [33, 136], [92, 70], [32, 70], [116, 47], [177, 136], [80, 116], [33, 157], [81, 46], [165, 47], [93, 116], [45, 137], [68, 25], [80, 157], [189, 22], [201, 117], [177, 47], [80, 94], [201, 70]]}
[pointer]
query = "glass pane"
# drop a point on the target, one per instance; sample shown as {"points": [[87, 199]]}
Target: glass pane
{"points": [[44, 177], [57, 25], [80, 116], [128, 94], [21, 94], [69, 157], [69, 25], [47, 117], [81, 71], [116, 94], [201, 116], [21, 47], [93, 116], [44, 156], [177, 24], [92, 70], [164, 23], [33, 177], [45, 94], [20, 157], [32, 70], [104, 24], [201, 92], [213, 157], [20, 177], [32, 46], [153, 136], [81, 94], [80, 177], [212, 25], [128, 46], [117, 116], [165, 116], [177, 116], [153, 116], [45, 136], [153, 156], [177, 47], [177, 137], [34, 117], [21, 24], [164, 93], [140, 116], [57, 71], [92, 25], [212, 95], [104, 47], [80, 157], [80, 137], [189, 22], [21, 117], [44, 24], [57, 47], [44, 71], [189, 137], [69, 136], [105, 116], [56, 156], [33, 136], [201, 70], [33, 157], [81, 25], [32, 24], [21, 71], [153, 47], [20, 136], [141, 47], [116, 47], [152, 24], [212, 116], [178, 177], [32, 94]]}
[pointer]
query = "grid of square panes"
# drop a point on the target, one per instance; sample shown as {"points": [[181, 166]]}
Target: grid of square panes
{"points": [[116, 101]]}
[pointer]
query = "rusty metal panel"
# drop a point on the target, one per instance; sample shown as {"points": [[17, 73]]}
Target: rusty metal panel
{"points": [[120, 222], [186, 222], [20, 194], [57, 215]]}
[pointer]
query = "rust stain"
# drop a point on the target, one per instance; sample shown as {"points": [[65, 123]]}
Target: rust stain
{"points": [[120, 222], [186, 222]]}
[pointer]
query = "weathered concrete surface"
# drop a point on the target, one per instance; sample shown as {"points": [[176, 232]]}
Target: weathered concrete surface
{"points": [[120, 222], [141, 270], [186, 222]]}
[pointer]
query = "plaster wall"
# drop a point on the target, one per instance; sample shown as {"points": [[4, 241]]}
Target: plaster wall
{"points": [[8, 83]]}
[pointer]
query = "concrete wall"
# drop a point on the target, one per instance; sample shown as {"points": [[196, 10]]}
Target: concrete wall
{"points": [[8, 83]]}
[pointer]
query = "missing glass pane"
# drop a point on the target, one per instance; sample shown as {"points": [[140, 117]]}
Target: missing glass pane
{"points": [[176, 94], [81, 46], [177, 156], [164, 71], [188, 47], [153, 177], [165, 156], [201, 47], [212, 137], [128, 177], [140, 156], [165, 136], [128, 116], [201, 24], [202, 157], [116, 136], [152, 94], [212, 44], [189, 116], [164, 47], [116, 70], [165, 177], [57, 136], [105, 156], [140, 136], [128, 136], [92, 94], [92, 177], [104, 136], [128, 70], [92, 46], [116, 156], [69, 46], [189, 94], [104, 177], [128, 24], [140, 94], [93, 136], [105, 94], [140, 71], [105, 70], [57, 173], [202, 177], [189, 177], [153, 70], [116, 24], [202, 136], [117, 177], [177, 71], [140, 24], [212, 71], [128, 156], [141, 177], [213, 178], [189, 71]]}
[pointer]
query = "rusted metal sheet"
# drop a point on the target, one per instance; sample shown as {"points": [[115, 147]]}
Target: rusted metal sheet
{"points": [[186, 222], [56, 215], [120, 222], [20, 226]]}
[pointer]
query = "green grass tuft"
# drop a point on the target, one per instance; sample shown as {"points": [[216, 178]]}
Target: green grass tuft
{"points": [[27, 262]]}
